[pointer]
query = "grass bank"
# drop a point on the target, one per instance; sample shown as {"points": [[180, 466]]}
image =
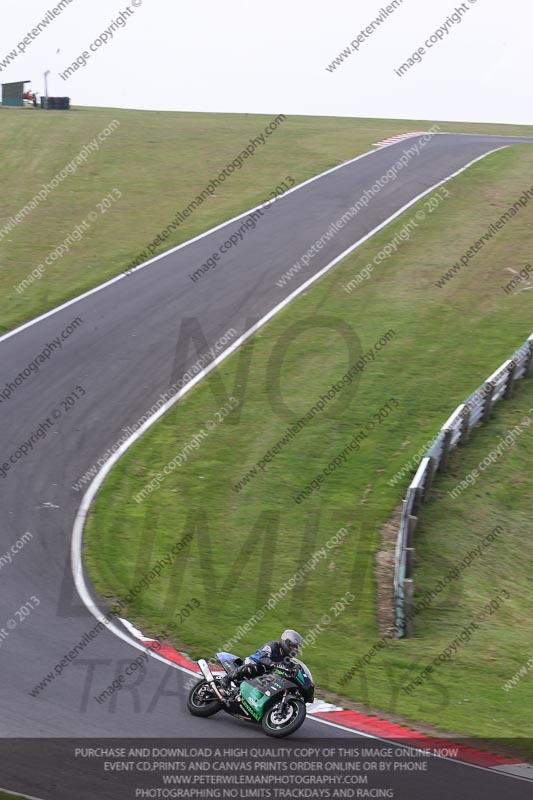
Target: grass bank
{"points": [[245, 545]]}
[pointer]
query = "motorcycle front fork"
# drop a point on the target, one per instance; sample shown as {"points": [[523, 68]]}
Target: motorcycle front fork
{"points": [[283, 701]]}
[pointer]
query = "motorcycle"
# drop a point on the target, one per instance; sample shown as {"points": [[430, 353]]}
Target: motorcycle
{"points": [[275, 700]]}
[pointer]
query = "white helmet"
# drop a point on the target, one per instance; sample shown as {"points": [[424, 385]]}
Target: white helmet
{"points": [[290, 643]]}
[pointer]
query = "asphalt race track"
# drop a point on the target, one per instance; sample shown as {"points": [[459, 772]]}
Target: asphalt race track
{"points": [[124, 356]]}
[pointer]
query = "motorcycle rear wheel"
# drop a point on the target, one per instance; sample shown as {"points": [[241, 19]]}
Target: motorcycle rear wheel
{"points": [[201, 702], [280, 725]]}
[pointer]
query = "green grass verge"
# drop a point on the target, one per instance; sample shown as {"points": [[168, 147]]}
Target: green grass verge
{"points": [[501, 496], [246, 545], [4, 796]]}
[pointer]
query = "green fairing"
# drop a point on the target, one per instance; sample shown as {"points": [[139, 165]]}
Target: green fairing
{"points": [[250, 710], [255, 700]]}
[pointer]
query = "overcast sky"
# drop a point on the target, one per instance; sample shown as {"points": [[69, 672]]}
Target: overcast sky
{"points": [[242, 56]]}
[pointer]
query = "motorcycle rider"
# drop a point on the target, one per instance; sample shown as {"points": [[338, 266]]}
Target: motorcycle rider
{"points": [[266, 658]]}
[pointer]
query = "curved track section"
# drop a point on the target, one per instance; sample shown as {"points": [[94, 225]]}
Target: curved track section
{"points": [[123, 356]]}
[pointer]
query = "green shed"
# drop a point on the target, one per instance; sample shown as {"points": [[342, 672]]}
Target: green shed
{"points": [[13, 93]]}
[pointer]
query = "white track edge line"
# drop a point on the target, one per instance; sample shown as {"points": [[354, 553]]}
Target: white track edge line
{"points": [[177, 247], [123, 275], [81, 516], [20, 794]]}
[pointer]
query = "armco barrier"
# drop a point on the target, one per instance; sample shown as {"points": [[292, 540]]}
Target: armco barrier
{"points": [[456, 430]]}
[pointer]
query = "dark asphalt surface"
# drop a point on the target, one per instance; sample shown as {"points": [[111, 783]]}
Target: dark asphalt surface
{"points": [[123, 356]]}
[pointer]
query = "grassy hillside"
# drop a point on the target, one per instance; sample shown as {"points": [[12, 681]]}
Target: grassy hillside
{"points": [[159, 161], [245, 545]]}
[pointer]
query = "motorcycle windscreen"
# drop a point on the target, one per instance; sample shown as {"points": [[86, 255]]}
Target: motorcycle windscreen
{"points": [[229, 661], [304, 674]]}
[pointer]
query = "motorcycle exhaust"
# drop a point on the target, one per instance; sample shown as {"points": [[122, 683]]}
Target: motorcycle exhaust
{"points": [[204, 668], [208, 675]]}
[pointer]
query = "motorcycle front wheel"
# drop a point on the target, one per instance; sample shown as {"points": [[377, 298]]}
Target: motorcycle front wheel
{"points": [[279, 723], [201, 701]]}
